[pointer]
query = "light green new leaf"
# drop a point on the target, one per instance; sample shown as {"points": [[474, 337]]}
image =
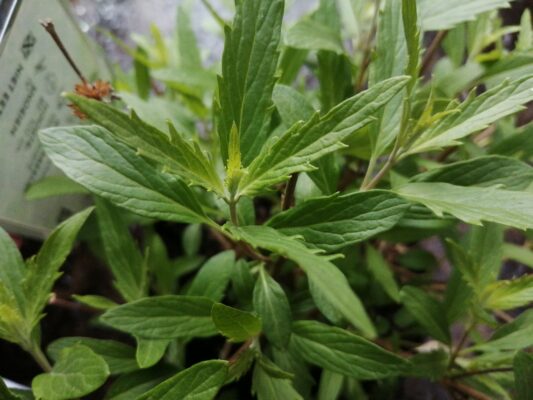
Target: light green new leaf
{"points": [[515, 335], [475, 114], [328, 285], [306, 142], [163, 317], [427, 311], [473, 204], [508, 173], [95, 301], [118, 356], [267, 385], [202, 381], [521, 254], [213, 278], [382, 272], [192, 81], [53, 186], [236, 325], [171, 151], [12, 272], [343, 352], [412, 37], [121, 252], [334, 222], [505, 295], [309, 34], [249, 63], [525, 39], [150, 351], [188, 52], [438, 15], [90, 156], [331, 385], [523, 371], [272, 306], [43, 270], [77, 372]]}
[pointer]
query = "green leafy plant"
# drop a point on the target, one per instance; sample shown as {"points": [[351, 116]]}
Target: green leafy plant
{"points": [[329, 211]]}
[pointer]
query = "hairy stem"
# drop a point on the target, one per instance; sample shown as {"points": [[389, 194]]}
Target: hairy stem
{"points": [[40, 358], [480, 372]]}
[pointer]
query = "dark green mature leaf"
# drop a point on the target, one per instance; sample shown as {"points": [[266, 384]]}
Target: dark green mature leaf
{"points": [[331, 384], [6, 394], [173, 152], [118, 356], [77, 372], [432, 365], [202, 381], [291, 105], [248, 66], [213, 278], [484, 171], [523, 371], [121, 252], [90, 156], [12, 271], [427, 311], [473, 204], [271, 386], [132, 385], [272, 306], [235, 324], [304, 143], [43, 270], [382, 272], [328, 285], [515, 335], [445, 15], [475, 114], [334, 222], [164, 317], [343, 352]]}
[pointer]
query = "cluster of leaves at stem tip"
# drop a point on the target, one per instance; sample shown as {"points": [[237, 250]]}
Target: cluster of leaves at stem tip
{"points": [[329, 169]]}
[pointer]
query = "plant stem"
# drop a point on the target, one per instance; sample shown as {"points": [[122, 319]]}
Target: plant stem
{"points": [[465, 389], [480, 372], [214, 13], [460, 345], [432, 49], [287, 200], [48, 25], [40, 358], [233, 212], [367, 51]]}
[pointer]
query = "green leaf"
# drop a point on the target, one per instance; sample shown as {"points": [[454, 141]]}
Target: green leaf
{"points": [[6, 394], [475, 114], [328, 285], [523, 371], [53, 186], [163, 317], [412, 38], [331, 384], [193, 81], [473, 204], [94, 301], [334, 222], [43, 270], [508, 173], [340, 351], [78, 371], [12, 272], [427, 311], [172, 151], [150, 351], [202, 381], [525, 39], [121, 252], [189, 54], [382, 272], [90, 156], [118, 356], [272, 306], [249, 63], [268, 386], [521, 254], [309, 34], [132, 385], [445, 15], [432, 365], [505, 295], [304, 143], [291, 105], [515, 335], [213, 278], [236, 325]]}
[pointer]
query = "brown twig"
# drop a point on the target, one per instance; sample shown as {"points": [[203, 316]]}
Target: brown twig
{"points": [[467, 390], [432, 49], [48, 25], [459, 346], [368, 50], [245, 346], [287, 199]]}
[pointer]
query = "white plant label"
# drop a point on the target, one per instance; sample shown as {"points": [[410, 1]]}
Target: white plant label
{"points": [[33, 73]]}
